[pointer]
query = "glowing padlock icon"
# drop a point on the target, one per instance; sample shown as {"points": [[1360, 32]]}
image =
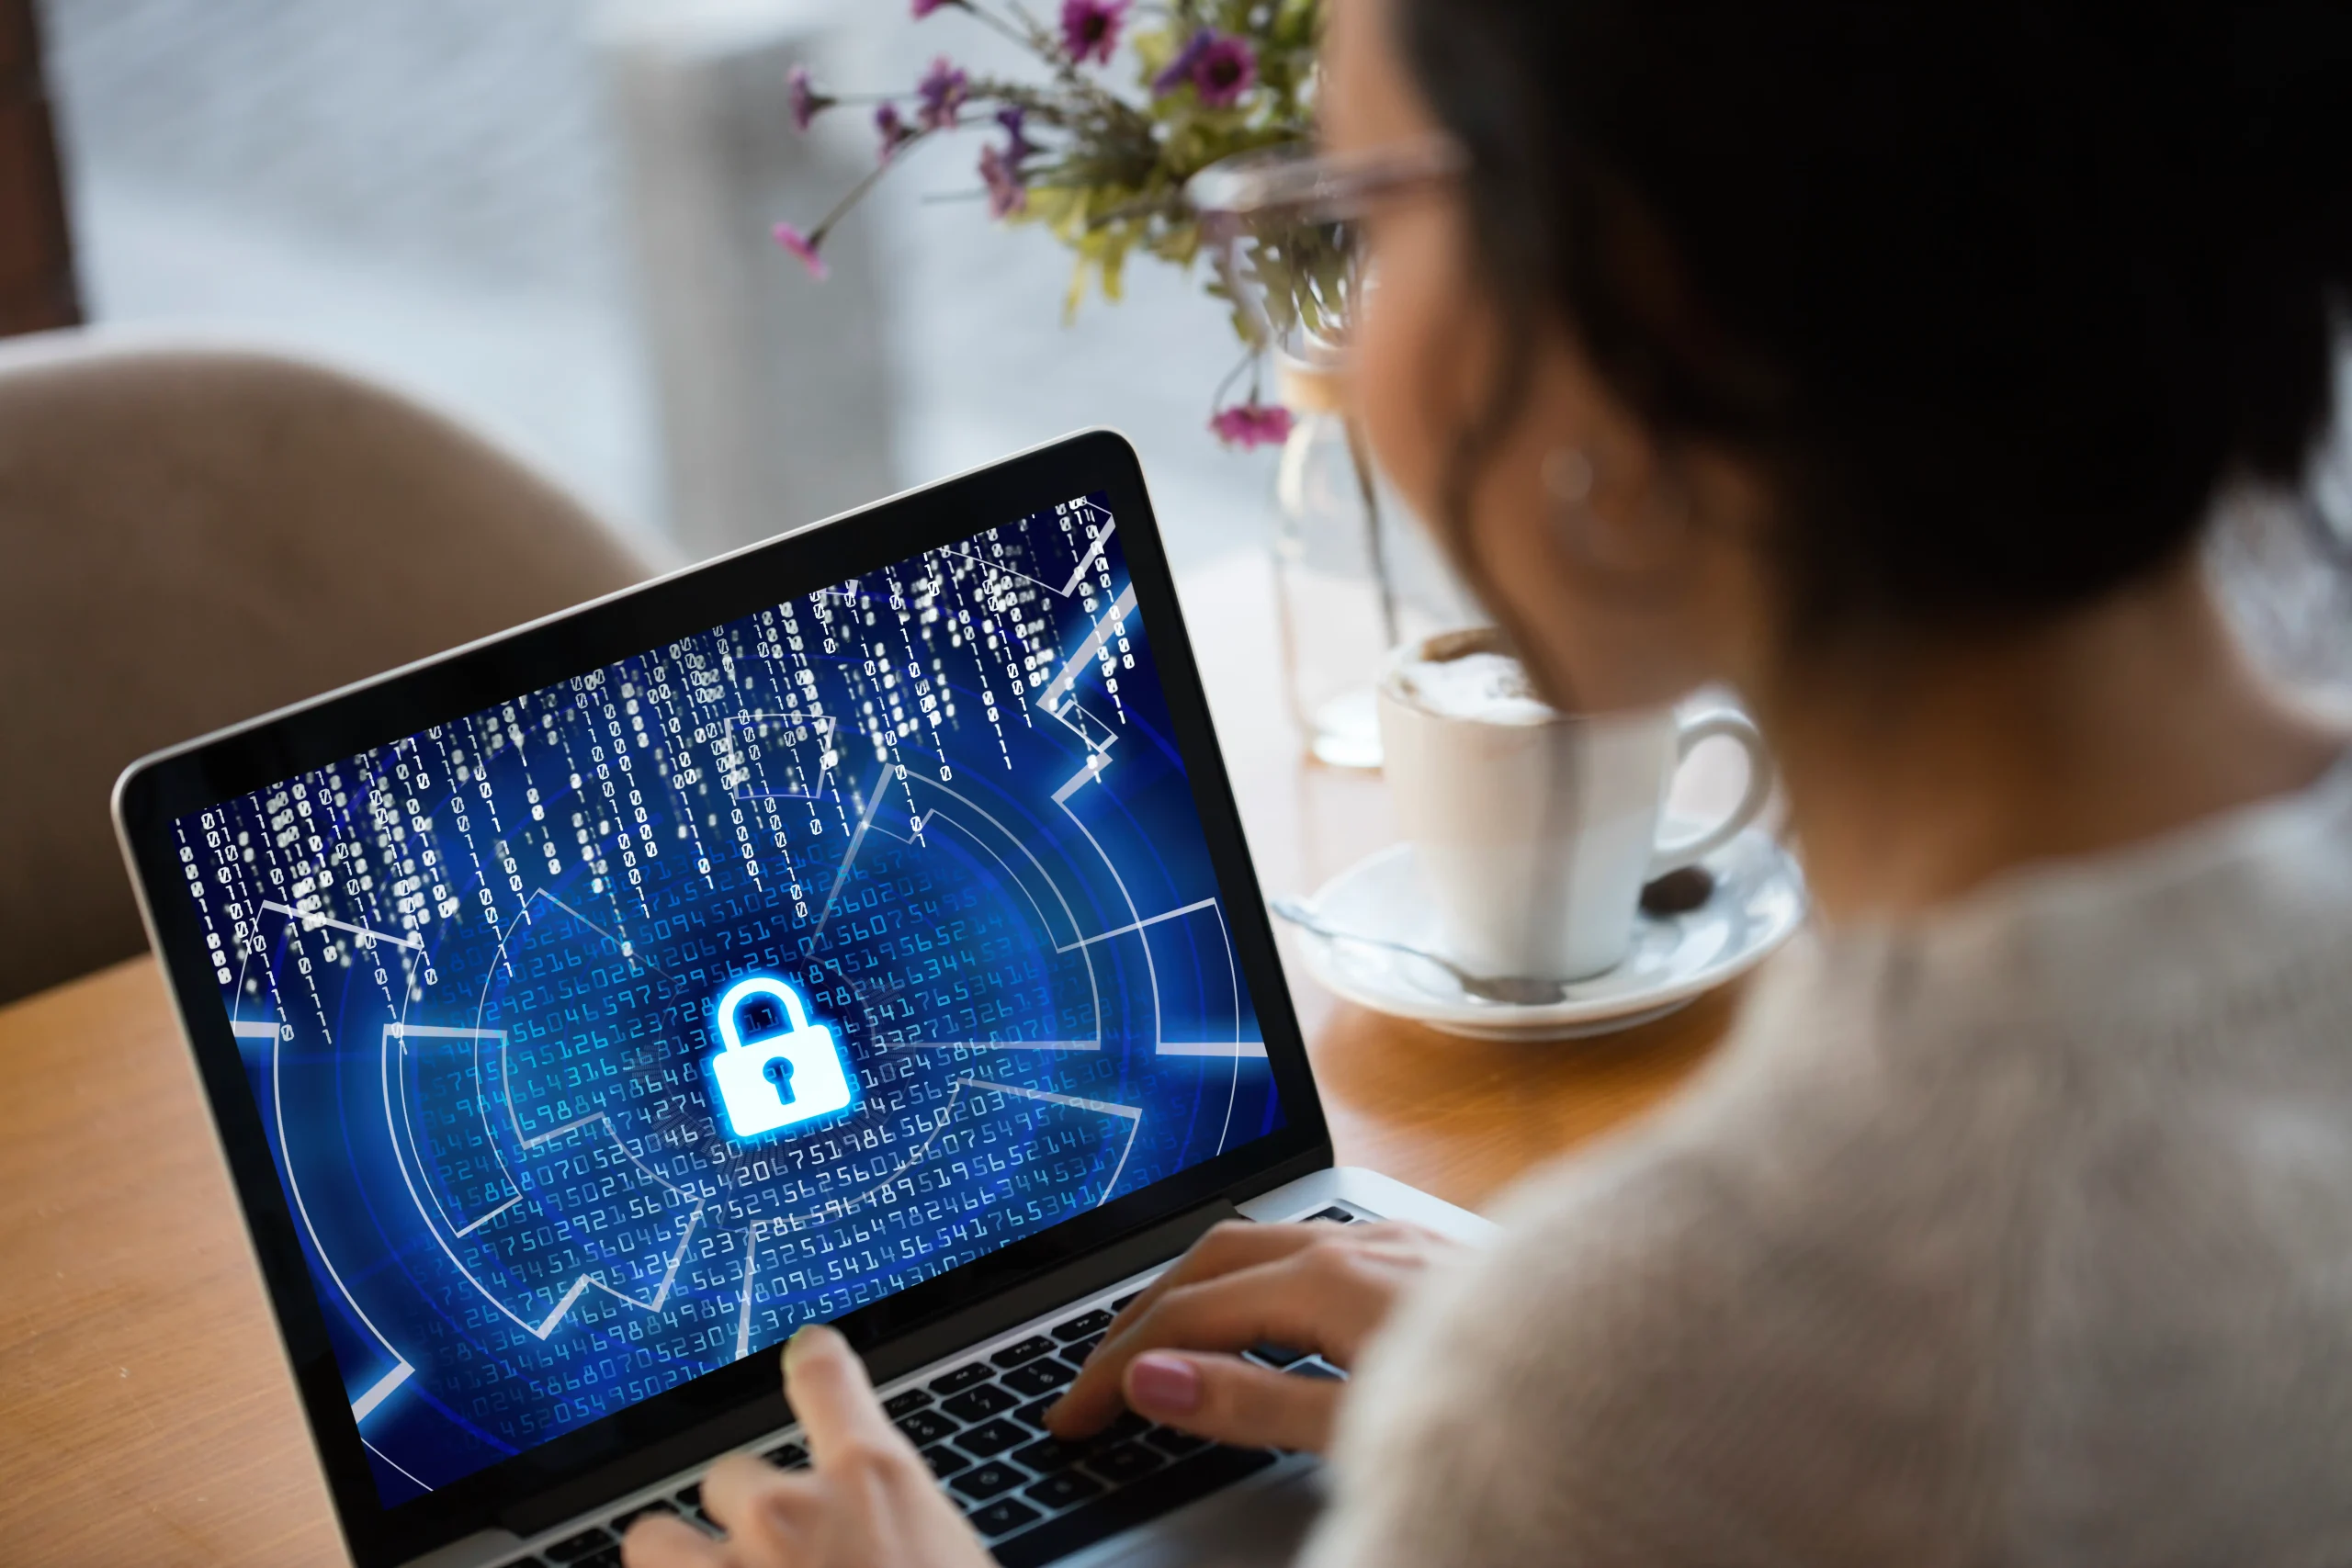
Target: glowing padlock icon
{"points": [[778, 1080]]}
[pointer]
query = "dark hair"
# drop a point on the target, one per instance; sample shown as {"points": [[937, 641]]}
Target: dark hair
{"points": [[2000, 292]]}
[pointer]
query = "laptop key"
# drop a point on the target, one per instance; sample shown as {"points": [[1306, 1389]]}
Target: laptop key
{"points": [[1124, 1461], [789, 1456], [690, 1495], [1061, 1491], [1121, 1304], [604, 1557], [962, 1378], [1039, 1377], [1004, 1517], [1317, 1370], [619, 1524], [1162, 1490], [1027, 1349], [991, 1438], [924, 1427], [979, 1404], [1173, 1443], [900, 1404], [1338, 1216], [1088, 1325], [1052, 1455], [1276, 1356], [988, 1481], [1077, 1352], [1033, 1413], [571, 1548], [944, 1460]]}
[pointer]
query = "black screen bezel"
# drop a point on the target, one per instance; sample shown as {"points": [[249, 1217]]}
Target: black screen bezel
{"points": [[156, 792]]}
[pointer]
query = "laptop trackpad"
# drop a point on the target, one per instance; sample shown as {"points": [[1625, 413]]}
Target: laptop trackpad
{"points": [[1259, 1524]]}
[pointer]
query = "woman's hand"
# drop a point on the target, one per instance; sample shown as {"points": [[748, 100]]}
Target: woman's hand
{"points": [[869, 1502], [1318, 1287]]}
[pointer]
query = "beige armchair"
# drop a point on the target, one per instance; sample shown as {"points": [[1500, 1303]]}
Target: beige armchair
{"points": [[190, 536]]}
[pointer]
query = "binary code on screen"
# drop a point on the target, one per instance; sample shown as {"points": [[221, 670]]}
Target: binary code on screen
{"points": [[939, 808]]}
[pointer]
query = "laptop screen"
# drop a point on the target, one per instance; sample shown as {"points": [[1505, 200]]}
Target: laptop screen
{"points": [[604, 1036]]}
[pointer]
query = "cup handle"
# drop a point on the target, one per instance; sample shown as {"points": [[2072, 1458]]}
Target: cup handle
{"points": [[1707, 726]]}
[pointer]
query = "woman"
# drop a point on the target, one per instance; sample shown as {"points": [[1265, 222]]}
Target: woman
{"points": [[1881, 360]]}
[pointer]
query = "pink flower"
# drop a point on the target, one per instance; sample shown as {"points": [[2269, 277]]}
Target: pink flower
{"points": [[893, 128], [1019, 150], [1006, 194], [1221, 68], [1091, 28], [943, 89], [806, 102], [1251, 425], [1227, 69], [803, 246]]}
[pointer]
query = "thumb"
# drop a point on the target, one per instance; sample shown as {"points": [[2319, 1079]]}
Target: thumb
{"points": [[826, 1385]]}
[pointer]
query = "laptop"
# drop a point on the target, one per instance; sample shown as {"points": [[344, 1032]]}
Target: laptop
{"points": [[856, 928]]}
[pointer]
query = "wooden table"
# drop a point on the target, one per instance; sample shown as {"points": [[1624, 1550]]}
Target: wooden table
{"points": [[146, 1415]]}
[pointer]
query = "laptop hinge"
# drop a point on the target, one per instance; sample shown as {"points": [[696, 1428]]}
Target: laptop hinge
{"points": [[1105, 1266]]}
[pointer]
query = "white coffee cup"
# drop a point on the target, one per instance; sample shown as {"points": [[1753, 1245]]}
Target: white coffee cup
{"points": [[1534, 831]]}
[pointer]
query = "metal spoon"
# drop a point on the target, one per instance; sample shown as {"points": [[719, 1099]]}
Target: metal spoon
{"points": [[1507, 990]]}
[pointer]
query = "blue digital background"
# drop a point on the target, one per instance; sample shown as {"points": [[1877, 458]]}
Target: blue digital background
{"points": [[471, 976]]}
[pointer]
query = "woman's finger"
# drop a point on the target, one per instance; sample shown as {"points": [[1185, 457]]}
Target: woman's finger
{"points": [[1322, 1299], [1232, 1401], [661, 1541], [746, 1495], [827, 1387], [1223, 1248]]}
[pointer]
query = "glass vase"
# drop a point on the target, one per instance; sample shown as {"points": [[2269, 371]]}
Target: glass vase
{"points": [[1354, 575]]}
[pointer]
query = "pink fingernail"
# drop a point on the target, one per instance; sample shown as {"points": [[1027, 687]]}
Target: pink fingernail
{"points": [[1163, 1382]]}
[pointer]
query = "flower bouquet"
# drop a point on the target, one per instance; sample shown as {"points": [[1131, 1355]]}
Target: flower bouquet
{"points": [[1106, 166]]}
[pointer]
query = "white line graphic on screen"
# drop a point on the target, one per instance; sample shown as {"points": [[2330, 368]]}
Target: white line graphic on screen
{"points": [[581, 1284], [1093, 981], [864, 822], [1096, 539], [1057, 702], [394, 1463], [365, 1404], [1151, 973], [1072, 670], [414, 1151], [291, 1166], [842, 1208], [311, 922]]}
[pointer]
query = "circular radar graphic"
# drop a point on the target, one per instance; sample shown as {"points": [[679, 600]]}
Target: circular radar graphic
{"points": [[608, 1035]]}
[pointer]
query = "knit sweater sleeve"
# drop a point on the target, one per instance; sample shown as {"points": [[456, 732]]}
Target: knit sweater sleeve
{"points": [[1533, 1406], [1672, 1357]]}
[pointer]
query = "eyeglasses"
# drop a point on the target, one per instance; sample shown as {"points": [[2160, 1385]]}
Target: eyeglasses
{"points": [[1284, 225]]}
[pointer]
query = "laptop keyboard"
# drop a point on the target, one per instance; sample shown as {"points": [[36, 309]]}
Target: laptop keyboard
{"points": [[980, 1427]]}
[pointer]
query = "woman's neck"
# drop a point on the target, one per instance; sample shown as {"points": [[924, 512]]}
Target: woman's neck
{"points": [[1918, 778]]}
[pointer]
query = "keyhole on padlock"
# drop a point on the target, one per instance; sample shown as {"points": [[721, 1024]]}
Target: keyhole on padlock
{"points": [[779, 1073]]}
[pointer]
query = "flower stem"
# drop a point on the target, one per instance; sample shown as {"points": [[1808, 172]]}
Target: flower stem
{"points": [[857, 192]]}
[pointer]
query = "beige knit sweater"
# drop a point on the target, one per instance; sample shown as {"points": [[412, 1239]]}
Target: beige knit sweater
{"points": [[2020, 1236]]}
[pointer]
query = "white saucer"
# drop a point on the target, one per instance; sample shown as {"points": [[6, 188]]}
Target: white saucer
{"points": [[1759, 900]]}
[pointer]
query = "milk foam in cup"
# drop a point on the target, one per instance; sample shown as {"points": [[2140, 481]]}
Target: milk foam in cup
{"points": [[1532, 829], [1492, 688]]}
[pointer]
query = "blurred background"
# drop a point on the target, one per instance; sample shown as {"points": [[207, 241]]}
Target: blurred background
{"points": [[550, 216]]}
